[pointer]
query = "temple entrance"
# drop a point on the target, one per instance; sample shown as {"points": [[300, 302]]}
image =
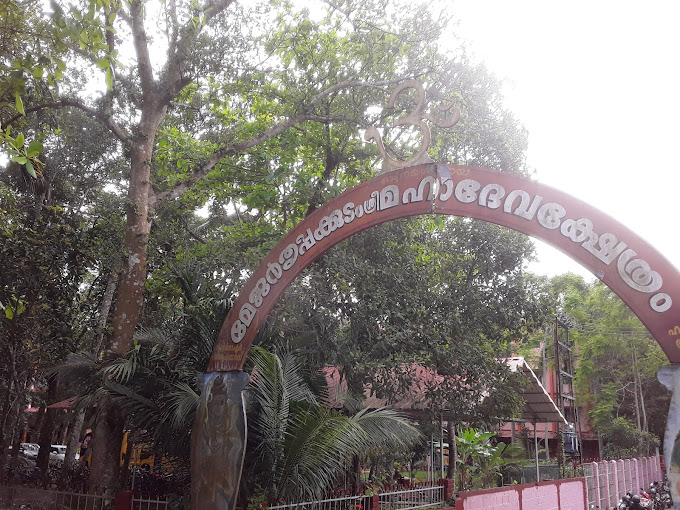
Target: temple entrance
{"points": [[627, 264], [634, 270]]}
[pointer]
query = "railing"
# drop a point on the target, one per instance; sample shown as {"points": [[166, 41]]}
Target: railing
{"points": [[550, 472], [412, 498], [356, 502], [394, 498], [39, 499], [149, 503]]}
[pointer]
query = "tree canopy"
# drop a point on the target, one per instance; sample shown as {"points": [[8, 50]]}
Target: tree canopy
{"points": [[147, 139]]}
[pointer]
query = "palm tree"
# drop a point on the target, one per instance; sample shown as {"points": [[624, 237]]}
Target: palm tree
{"points": [[301, 446], [154, 384], [298, 445]]}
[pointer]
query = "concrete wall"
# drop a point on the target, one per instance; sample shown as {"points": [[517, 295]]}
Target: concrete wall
{"points": [[556, 495]]}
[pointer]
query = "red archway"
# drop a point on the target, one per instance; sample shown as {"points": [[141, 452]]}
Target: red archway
{"points": [[632, 268]]}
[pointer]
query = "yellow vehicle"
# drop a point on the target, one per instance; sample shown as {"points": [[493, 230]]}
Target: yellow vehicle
{"points": [[139, 455]]}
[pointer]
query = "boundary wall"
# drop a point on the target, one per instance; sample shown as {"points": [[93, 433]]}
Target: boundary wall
{"points": [[567, 494], [608, 480]]}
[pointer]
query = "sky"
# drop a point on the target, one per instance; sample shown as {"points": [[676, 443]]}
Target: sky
{"points": [[597, 85]]}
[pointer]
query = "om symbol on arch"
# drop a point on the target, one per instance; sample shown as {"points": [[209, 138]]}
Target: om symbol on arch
{"points": [[416, 118]]}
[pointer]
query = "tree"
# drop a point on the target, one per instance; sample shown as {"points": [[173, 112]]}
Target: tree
{"points": [[296, 445], [624, 441], [414, 294], [40, 299], [154, 384], [220, 107], [62, 238], [617, 362]]}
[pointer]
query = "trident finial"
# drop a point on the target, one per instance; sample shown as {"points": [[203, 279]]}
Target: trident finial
{"points": [[416, 118]]}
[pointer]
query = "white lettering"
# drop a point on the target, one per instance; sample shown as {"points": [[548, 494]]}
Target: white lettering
{"points": [[550, 215], [466, 191]]}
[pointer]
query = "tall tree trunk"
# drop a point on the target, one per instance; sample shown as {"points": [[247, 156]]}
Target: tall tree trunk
{"points": [[453, 451], [104, 308], [47, 427], [19, 424], [635, 394], [79, 418], [7, 404], [17, 411], [133, 275], [109, 429], [355, 479], [72, 442], [643, 411], [108, 438]]}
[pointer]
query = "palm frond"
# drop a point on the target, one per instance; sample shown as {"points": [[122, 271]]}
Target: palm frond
{"points": [[180, 405], [387, 428], [301, 446], [121, 369], [145, 413], [79, 369], [162, 336]]}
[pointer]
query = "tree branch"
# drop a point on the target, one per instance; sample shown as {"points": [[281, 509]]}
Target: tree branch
{"points": [[141, 45], [111, 43], [214, 7], [211, 162], [117, 76], [105, 119], [175, 78]]}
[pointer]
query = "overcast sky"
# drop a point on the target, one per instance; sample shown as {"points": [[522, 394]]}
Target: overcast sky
{"points": [[597, 84]]}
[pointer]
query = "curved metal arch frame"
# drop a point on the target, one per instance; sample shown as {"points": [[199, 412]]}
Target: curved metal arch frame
{"points": [[630, 266]]}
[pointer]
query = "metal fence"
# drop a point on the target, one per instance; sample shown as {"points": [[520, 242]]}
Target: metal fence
{"points": [[149, 503], [39, 499], [549, 472], [405, 498], [591, 485], [412, 498], [357, 502]]}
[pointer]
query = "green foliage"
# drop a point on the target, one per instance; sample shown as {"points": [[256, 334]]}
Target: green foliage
{"points": [[480, 461], [26, 72], [155, 383], [26, 155], [13, 306], [405, 298], [300, 447], [624, 441], [257, 113], [617, 359]]}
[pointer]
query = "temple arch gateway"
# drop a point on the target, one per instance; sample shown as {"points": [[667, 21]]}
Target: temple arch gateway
{"points": [[632, 268], [626, 263]]}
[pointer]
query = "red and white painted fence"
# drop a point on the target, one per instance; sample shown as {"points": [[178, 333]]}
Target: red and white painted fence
{"points": [[608, 480], [601, 487], [554, 495]]}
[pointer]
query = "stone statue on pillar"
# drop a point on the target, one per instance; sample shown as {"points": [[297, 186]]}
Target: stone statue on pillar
{"points": [[218, 441]]}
